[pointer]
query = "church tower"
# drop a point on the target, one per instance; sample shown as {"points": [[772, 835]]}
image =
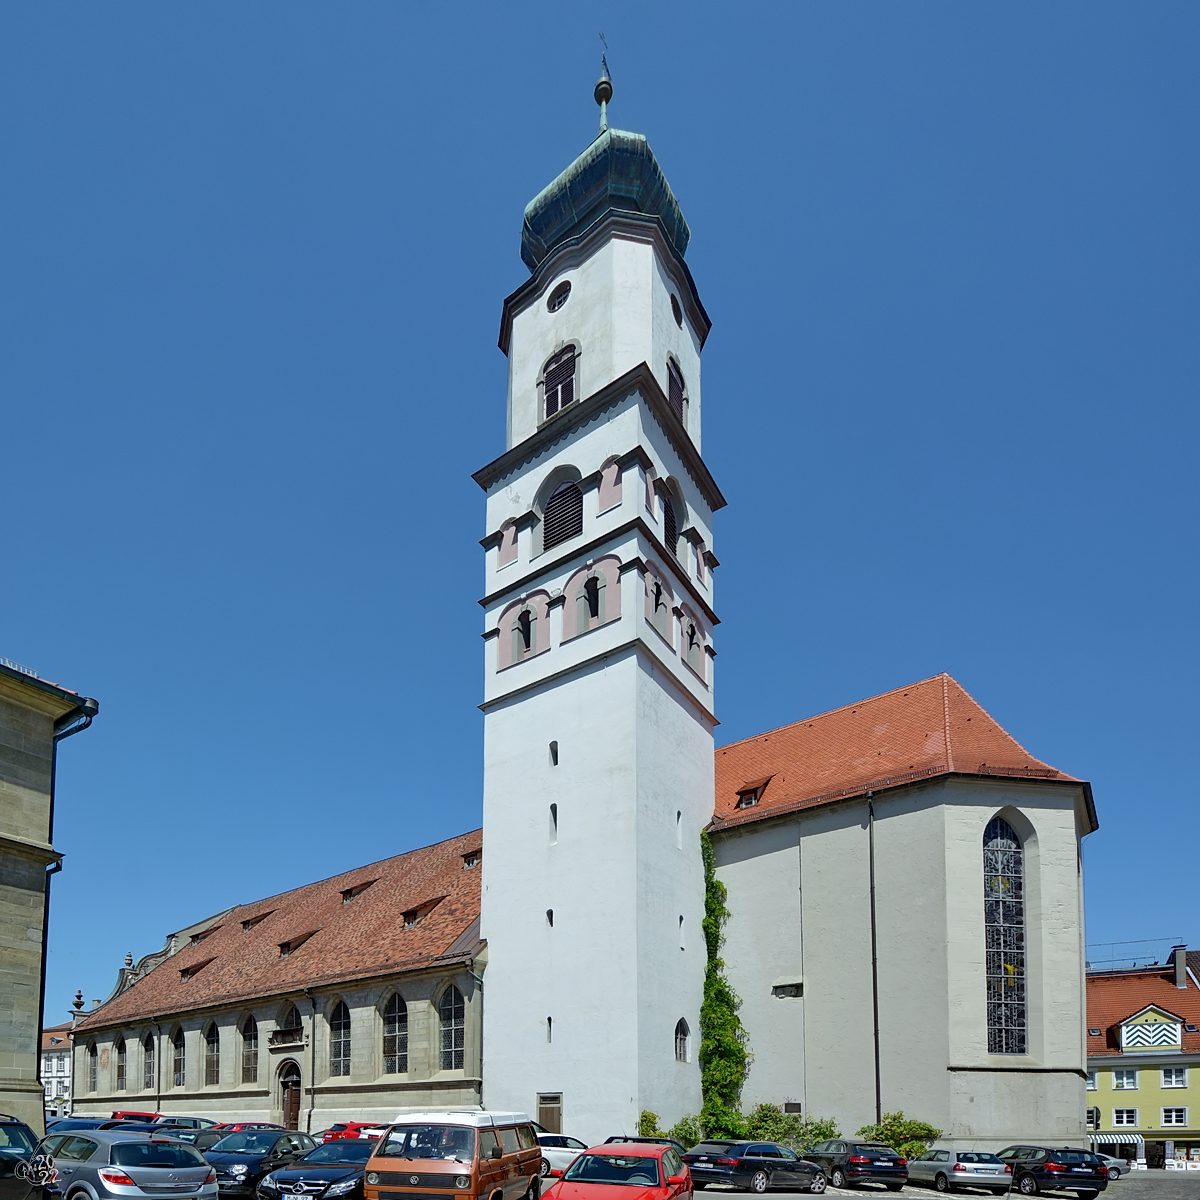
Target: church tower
{"points": [[598, 638]]}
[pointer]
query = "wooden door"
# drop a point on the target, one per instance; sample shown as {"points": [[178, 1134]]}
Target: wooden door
{"points": [[289, 1083]]}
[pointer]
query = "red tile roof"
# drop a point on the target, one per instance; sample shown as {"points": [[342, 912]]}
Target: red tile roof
{"points": [[926, 729], [54, 1037], [363, 937], [1115, 996]]}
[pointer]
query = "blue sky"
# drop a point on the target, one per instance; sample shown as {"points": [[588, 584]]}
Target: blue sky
{"points": [[251, 286]]}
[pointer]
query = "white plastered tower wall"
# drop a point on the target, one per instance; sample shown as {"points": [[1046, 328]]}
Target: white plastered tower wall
{"points": [[799, 897], [592, 908]]}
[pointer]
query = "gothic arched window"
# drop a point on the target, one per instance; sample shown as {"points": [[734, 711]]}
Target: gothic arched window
{"points": [[1004, 923], [563, 518], [250, 1050], [93, 1066], [212, 1055], [179, 1076], [682, 1039], [395, 1036], [122, 1063], [559, 382], [149, 1083], [339, 1040], [292, 1018], [453, 1015]]}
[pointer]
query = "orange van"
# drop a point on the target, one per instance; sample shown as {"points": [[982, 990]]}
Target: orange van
{"points": [[439, 1156]]}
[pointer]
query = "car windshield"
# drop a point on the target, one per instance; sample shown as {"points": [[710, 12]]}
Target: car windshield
{"points": [[430, 1141], [1075, 1156], [711, 1148], [16, 1139], [247, 1142], [343, 1151], [635, 1171], [154, 1154], [966, 1156]]}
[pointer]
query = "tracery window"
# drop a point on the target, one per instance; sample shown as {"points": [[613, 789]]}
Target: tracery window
{"points": [[682, 1037], [179, 1076], [453, 1015], [395, 1036], [559, 382], [148, 1071], [93, 1061], [563, 518], [212, 1055], [1004, 923], [122, 1062], [339, 1040], [250, 1051]]}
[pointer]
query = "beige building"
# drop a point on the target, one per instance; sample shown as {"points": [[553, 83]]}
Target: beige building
{"points": [[343, 1000], [35, 715]]}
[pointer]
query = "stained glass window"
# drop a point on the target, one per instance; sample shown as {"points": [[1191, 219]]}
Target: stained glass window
{"points": [[395, 1037], [1004, 921], [339, 1040], [454, 1031]]}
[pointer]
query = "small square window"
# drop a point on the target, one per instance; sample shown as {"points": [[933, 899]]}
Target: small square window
{"points": [[1174, 1116], [1125, 1081], [1174, 1077], [748, 799], [1093, 1033], [1125, 1116]]}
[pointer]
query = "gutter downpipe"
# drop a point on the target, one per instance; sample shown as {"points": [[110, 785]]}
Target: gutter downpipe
{"points": [[479, 980], [158, 1055], [87, 709], [312, 1063], [874, 954]]}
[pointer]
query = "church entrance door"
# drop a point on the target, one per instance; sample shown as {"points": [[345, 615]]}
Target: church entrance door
{"points": [[289, 1087]]}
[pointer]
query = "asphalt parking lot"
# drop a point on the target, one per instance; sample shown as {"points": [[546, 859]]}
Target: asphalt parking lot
{"points": [[1138, 1185]]}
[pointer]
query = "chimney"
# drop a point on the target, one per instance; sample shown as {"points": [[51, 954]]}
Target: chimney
{"points": [[1180, 953]]}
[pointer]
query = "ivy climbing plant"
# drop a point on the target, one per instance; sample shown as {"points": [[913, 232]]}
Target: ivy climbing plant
{"points": [[724, 1059]]}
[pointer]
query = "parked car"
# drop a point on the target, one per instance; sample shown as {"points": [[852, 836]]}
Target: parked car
{"points": [[754, 1165], [649, 1141], [238, 1126], [187, 1122], [17, 1144], [65, 1124], [352, 1129], [607, 1172], [111, 1164], [558, 1151], [242, 1159], [1040, 1168], [1116, 1166], [129, 1114], [947, 1169], [333, 1169], [203, 1139], [845, 1161]]}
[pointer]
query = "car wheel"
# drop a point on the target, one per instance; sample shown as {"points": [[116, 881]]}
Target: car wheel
{"points": [[534, 1190], [545, 1168], [1114, 1173], [838, 1177], [819, 1184], [759, 1182], [942, 1183], [1027, 1185]]}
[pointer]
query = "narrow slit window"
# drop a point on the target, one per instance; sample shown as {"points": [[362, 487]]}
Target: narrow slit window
{"points": [[550, 917], [179, 1073], [554, 824], [550, 1029], [121, 1064], [554, 754], [148, 1067], [250, 1051], [670, 527], [524, 635], [559, 382], [339, 1040], [212, 1056], [682, 1039], [675, 388]]}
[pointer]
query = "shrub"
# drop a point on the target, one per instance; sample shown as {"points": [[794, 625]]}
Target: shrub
{"points": [[910, 1137], [770, 1123], [648, 1125]]}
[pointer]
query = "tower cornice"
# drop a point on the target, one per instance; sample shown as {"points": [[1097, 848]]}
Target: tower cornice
{"points": [[641, 380]]}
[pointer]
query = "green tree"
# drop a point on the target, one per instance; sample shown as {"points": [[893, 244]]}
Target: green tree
{"points": [[648, 1124], [905, 1134], [724, 1059], [770, 1123]]}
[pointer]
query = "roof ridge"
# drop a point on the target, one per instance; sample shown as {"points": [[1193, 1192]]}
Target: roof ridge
{"points": [[841, 708], [1003, 728], [946, 721]]}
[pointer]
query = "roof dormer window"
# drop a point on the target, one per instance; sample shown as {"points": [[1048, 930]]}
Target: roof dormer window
{"points": [[559, 382], [349, 893], [748, 799]]}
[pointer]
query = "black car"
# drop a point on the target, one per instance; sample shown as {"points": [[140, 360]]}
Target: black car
{"points": [[845, 1161], [1066, 1169], [17, 1144], [243, 1158], [332, 1169], [754, 1165]]}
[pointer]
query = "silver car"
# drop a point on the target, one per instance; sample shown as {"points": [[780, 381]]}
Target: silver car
{"points": [[949, 1169], [558, 1151], [106, 1164], [1116, 1166]]}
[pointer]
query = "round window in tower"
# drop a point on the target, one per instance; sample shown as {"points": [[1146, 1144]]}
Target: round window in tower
{"points": [[676, 311], [558, 297]]}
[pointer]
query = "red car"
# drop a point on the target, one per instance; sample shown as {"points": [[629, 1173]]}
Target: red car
{"points": [[350, 1129], [238, 1126], [608, 1172]]}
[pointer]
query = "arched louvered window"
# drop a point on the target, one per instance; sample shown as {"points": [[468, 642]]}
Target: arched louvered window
{"points": [[179, 1073], [250, 1050], [683, 1037], [670, 527], [675, 388], [93, 1066], [563, 518], [559, 382], [212, 1055], [395, 1036], [1004, 923], [524, 635], [339, 1040], [453, 1015], [122, 1064], [149, 1083]]}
